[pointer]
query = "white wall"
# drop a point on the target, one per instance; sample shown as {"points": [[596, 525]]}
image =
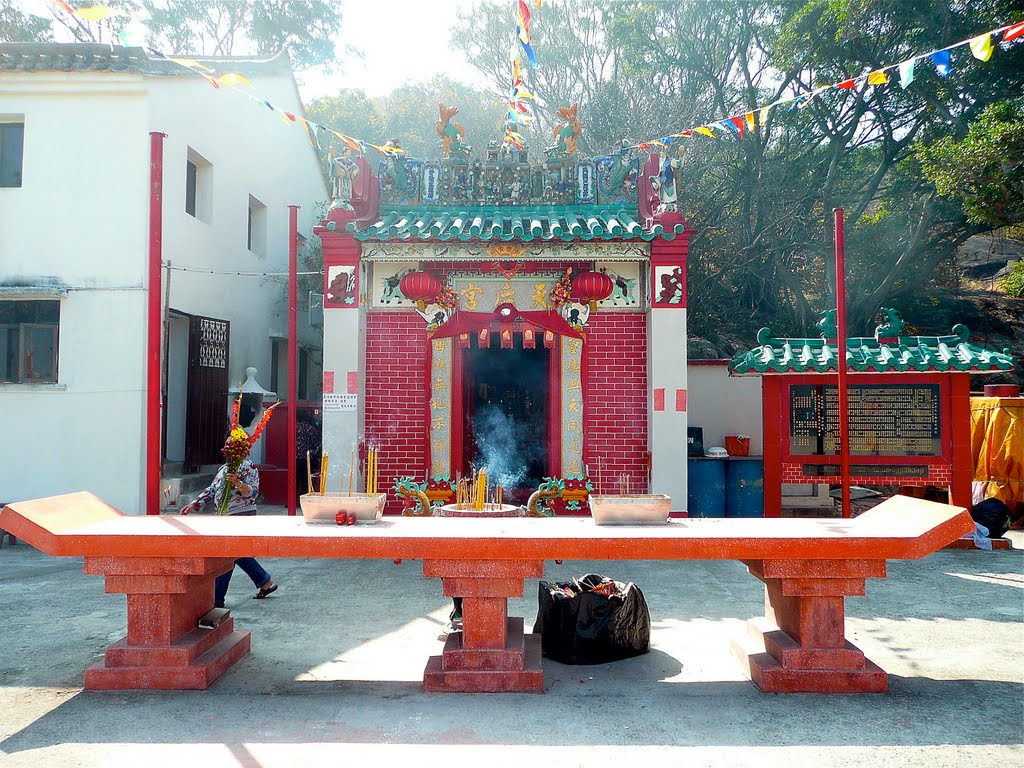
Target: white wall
{"points": [[252, 153], [666, 369], [79, 218], [724, 405]]}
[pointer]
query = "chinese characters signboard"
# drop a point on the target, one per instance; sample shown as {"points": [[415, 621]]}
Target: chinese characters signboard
{"points": [[885, 420]]}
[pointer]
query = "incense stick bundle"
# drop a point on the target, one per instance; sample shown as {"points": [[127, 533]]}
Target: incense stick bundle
{"points": [[351, 470], [598, 475], [323, 474]]}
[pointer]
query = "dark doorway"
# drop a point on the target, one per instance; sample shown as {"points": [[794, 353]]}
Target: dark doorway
{"points": [[505, 408], [206, 420]]}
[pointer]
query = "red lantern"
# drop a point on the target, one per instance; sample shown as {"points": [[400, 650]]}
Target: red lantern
{"points": [[592, 287], [420, 287]]}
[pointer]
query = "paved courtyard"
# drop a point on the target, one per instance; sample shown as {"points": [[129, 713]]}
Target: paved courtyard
{"points": [[338, 652]]}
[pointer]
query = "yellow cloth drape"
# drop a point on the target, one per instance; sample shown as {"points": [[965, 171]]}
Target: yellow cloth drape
{"points": [[997, 448]]}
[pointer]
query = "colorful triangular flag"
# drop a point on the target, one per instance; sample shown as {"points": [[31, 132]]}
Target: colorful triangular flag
{"points": [[907, 72], [981, 47], [1013, 32], [878, 77], [942, 64], [232, 79]]}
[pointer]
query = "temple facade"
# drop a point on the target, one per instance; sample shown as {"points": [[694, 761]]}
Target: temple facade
{"points": [[523, 315]]}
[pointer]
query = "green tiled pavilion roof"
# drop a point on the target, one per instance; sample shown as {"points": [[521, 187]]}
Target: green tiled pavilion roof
{"points": [[547, 223], [934, 354]]}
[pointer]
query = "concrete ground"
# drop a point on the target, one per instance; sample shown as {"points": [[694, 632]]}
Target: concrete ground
{"points": [[338, 653]]}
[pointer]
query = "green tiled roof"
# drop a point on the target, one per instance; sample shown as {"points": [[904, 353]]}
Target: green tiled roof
{"points": [[934, 354], [548, 223]]}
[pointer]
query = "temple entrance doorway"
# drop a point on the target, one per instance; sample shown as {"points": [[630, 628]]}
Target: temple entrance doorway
{"points": [[506, 425]]}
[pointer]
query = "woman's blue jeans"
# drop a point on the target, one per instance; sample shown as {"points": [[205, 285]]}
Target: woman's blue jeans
{"points": [[252, 569]]}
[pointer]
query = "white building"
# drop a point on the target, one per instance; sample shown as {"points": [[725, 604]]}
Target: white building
{"points": [[75, 123]]}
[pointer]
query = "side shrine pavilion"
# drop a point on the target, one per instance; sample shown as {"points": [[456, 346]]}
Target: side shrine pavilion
{"points": [[520, 314]]}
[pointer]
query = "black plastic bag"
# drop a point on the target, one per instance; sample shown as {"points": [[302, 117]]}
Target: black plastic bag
{"points": [[994, 515], [579, 625]]}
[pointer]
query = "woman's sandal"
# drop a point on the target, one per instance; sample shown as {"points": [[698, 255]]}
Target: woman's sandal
{"points": [[265, 590]]}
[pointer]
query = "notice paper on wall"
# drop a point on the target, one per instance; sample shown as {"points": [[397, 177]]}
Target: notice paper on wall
{"points": [[339, 402]]}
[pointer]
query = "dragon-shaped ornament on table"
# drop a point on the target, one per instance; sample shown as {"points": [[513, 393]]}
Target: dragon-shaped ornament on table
{"points": [[451, 134], [409, 488], [549, 489]]}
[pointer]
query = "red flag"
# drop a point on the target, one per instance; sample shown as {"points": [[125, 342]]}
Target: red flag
{"points": [[847, 83], [1013, 32]]}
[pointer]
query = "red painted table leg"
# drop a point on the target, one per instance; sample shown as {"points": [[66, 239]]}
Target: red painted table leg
{"points": [[492, 653], [165, 648], [803, 632]]}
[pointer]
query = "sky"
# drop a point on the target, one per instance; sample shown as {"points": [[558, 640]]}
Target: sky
{"points": [[409, 42]]}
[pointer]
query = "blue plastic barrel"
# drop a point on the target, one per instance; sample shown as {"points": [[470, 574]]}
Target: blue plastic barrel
{"points": [[744, 488], [705, 487]]}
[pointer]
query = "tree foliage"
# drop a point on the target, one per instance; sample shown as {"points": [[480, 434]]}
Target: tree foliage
{"points": [[983, 170], [409, 114], [762, 205], [198, 27]]}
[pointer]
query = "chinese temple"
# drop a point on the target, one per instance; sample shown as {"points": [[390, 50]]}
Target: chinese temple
{"points": [[500, 310]]}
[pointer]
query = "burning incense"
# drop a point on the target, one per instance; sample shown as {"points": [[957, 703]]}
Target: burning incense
{"points": [[481, 490], [309, 474], [499, 497], [351, 470], [323, 474]]}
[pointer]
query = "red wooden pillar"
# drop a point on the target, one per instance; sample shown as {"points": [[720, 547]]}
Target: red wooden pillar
{"points": [[154, 321], [293, 349], [960, 422], [771, 409]]}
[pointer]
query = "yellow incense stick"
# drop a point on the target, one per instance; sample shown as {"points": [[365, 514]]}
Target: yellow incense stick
{"points": [[323, 474], [351, 470]]}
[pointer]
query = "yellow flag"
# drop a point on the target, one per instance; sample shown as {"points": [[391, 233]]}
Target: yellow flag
{"points": [[878, 77], [981, 47], [98, 12], [233, 78], [751, 122], [706, 131], [762, 114]]}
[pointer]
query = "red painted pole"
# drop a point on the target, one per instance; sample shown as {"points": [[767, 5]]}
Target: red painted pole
{"points": [[844, 420], [154, 321], [293, 349]]}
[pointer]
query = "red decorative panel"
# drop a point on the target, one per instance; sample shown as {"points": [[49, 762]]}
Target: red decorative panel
{"points": [[615, 423], [396, 390]]}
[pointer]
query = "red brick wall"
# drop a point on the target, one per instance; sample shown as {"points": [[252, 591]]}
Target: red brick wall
{"points": [[615, 421], [396, 418]]}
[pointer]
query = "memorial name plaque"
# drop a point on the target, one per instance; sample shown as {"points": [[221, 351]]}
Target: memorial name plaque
{"points": [[885, 420]]}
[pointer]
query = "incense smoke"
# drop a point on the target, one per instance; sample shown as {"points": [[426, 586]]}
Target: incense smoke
{"points": [[507, 448]]}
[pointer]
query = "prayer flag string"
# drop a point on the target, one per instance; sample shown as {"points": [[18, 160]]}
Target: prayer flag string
{"points": [[981, 47]]}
